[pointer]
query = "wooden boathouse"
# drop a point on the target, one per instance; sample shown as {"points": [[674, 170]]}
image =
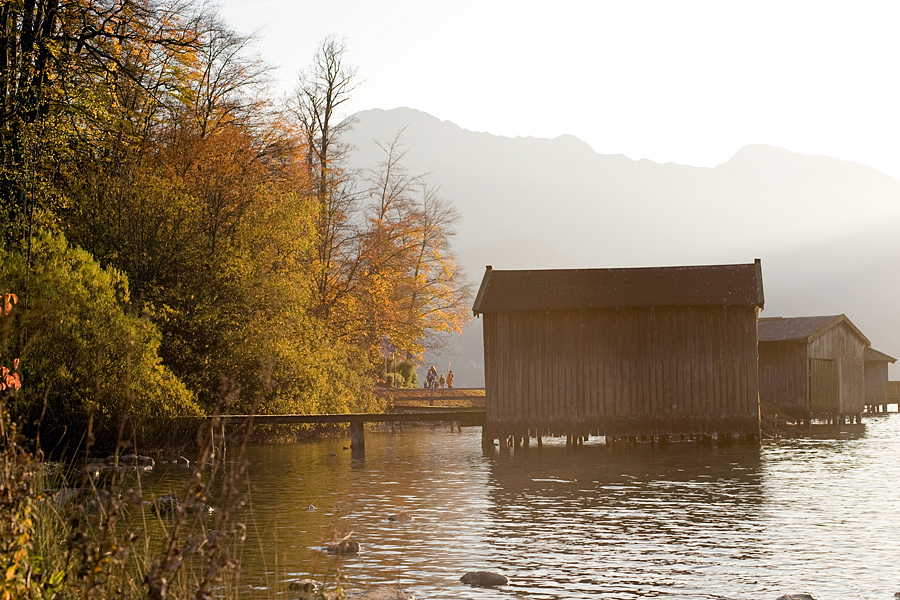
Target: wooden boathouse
{"points": [[813, 368], [632, 352], [877, 396], [894, 393]]}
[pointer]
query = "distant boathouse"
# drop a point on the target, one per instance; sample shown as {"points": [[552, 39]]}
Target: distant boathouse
{"points": [[637, 352], [813, 368], [877, 385]]}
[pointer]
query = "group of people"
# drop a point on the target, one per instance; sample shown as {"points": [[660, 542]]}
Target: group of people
{"points": [[433, 380]]}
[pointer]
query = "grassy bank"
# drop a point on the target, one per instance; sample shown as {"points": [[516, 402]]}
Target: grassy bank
{"points": [[84, 530]]}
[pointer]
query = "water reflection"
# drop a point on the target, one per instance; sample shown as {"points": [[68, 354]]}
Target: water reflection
{"points": [[625, 522], [816, 515]]}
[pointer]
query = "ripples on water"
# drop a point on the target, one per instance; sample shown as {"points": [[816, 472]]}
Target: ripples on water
{"points": [[816, 515]]}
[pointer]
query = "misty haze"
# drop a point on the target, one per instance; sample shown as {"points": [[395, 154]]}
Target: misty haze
{"points": [[824, 228]]}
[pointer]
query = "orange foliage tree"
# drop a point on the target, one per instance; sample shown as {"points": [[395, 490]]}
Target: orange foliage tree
{"points": [[383, 261], [411, 288]]}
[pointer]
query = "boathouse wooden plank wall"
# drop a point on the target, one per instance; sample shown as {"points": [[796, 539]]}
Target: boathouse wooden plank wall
{"points": [[877, 395], [623, 370], [615, 372], [825, 386], [876, 383], [784, 376], [894, 393], [843, 345]]}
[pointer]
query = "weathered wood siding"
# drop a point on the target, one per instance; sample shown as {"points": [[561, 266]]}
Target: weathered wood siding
{"points": [[783, 376], [876, 383], [824, 386], [894, 391], [844, 345], [634, 371]]}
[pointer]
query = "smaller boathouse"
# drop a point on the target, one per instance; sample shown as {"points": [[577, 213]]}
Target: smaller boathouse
{"points": [[877, 395], [813, 368]]}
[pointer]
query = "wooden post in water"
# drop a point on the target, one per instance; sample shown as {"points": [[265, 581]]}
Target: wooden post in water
{"points": [[487, 443], [357, 436]]}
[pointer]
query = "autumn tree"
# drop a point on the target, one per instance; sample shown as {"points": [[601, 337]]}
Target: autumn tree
{"points": [[409, 285], [205, 160], [53, 57], [385, 280], [440, 297], [383, 263], [321, 90], [144, 132], [208, 207]]}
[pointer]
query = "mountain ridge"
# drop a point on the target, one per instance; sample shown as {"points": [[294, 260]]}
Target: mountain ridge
{"points": [[393, 120], [823, 227]]}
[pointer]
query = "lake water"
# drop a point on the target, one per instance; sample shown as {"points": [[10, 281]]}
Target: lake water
{"points": [[819, 515]]}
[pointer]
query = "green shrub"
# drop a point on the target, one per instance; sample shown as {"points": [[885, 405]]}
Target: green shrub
{"points": [[84, 359]]}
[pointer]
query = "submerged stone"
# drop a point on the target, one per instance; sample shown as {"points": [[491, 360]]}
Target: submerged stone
{"points": [[400, 517], [343, 547], [484, 579], [305, 585], [168, 505]]}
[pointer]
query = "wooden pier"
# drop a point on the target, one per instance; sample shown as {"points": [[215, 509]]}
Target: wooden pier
{"points": [[407, 414]]}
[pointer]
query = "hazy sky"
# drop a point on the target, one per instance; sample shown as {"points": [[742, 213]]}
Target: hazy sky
{"points": [[686, 82]]}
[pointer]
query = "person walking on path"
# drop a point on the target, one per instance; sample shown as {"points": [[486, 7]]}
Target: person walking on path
{"points": [[450, 379], [441, 381]]}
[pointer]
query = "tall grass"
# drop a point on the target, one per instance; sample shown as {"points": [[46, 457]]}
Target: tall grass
{"points": [[70, 532]]}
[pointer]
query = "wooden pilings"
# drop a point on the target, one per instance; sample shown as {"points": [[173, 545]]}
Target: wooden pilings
{"points": [[575, 442]]}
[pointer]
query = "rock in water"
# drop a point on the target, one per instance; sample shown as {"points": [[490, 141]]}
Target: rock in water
{"points": [[484, 579], [400, 517], [137, 459], [305, 585], [796, 597], [166, 506], [343, 547]]}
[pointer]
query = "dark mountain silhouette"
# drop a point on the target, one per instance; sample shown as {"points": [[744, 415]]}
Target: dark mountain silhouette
{"points": [[825, 229]]}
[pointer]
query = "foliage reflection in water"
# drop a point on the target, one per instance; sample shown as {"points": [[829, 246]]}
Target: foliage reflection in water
{"points": [[813, 515]]}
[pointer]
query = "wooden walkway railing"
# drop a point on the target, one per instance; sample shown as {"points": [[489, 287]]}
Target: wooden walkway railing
{"points": [[396, 397]]}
